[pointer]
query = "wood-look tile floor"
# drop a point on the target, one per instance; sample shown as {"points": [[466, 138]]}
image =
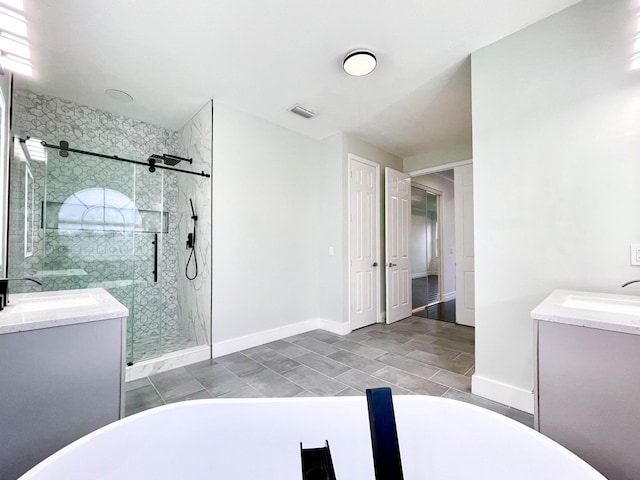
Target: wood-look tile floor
{"points": [[413, 356]]}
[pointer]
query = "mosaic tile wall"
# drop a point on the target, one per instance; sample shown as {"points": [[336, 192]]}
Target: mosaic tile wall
{"points": [[120, 261]]}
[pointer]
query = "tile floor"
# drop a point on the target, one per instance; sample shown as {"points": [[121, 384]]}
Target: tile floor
{"points": [[413, 356]]}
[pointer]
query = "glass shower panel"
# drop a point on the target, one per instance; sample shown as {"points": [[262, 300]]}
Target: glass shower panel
{"points": [[147, 332], [83, 222], [89, 227]]}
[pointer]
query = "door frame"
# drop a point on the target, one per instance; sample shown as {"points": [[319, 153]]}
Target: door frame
{"points": [[355, 158], [441, 168], [438, 168], [438, 194]]}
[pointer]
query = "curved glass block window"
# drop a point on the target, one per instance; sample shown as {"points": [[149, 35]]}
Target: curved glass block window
{"points": [[99, 209], [103, 209]]}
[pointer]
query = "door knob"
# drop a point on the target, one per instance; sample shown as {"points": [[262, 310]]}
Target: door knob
{"points": [[393, 264], [375, 264]]}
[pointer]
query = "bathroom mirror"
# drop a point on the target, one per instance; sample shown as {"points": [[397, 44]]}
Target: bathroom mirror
{"points": [[5, 98]]}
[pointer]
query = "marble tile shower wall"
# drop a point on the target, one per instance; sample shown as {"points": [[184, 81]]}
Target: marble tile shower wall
{"points": [[195, 141], [121, 262]]}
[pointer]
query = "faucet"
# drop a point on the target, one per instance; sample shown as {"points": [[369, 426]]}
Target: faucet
{"points": [[4, 289], [629, 283]]}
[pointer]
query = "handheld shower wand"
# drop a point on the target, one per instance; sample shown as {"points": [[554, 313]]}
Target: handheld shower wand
{"points": [[191, 244], [191, 237]]}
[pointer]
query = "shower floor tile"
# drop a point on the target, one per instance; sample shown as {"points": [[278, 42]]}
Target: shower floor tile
{"points": [[413, 356]]}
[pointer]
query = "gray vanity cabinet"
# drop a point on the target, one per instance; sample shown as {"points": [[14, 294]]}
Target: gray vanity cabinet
{"points": [[587, 395], [57, 384]]}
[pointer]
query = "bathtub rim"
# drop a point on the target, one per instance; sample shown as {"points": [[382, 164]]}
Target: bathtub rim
{"points": [[33, 473]]}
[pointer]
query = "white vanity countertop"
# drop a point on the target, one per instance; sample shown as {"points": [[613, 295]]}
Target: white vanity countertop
{"points": [[31, 311], [604, 311]]}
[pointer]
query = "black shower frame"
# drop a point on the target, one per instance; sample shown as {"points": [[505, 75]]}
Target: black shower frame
{"points": [[150, 163]]}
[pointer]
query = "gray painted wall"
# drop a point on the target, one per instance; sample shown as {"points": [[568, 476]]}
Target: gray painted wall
{"points": [[556, 130]]}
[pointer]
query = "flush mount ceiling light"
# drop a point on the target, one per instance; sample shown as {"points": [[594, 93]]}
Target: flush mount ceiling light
{"points": [[359, 63], [119, 95]]}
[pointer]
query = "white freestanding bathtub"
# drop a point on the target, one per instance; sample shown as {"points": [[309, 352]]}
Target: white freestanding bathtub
{"points": [[251, 439]]}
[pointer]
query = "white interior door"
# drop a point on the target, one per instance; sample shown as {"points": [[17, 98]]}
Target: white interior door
{"points": [[397, 231], [364, 234], [465, 272]]}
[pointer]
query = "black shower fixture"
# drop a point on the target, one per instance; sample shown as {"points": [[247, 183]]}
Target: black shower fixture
{"points": [[155, 161], [191, 237], [191, 244], [171, 160], [165, 159], [174, 159]]}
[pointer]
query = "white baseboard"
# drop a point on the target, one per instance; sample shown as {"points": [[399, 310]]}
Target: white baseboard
{"points": [[334, 327], [501, 392], [448, 296], [237, 344], [419, 275], [233, 345]]}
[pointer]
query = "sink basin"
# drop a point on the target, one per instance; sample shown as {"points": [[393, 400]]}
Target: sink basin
{"points": [[36, 310], [53, 303], [605, 311], [602, 304]]}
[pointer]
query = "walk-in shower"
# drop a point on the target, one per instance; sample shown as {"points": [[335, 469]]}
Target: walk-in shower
{"points": [[99, 207]]}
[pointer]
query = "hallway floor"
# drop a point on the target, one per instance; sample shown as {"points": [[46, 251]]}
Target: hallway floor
{"points": [[413, 356], [424, 290], [443, 311]]}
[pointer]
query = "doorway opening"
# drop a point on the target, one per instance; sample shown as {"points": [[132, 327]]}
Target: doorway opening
{"points": [[433, 246], [425, 247]]}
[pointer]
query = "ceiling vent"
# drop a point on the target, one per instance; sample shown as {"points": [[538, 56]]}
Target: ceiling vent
{"points": [[303, 112]]}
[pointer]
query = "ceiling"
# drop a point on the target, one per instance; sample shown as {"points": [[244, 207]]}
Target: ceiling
{"points": [[264, 57]]}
